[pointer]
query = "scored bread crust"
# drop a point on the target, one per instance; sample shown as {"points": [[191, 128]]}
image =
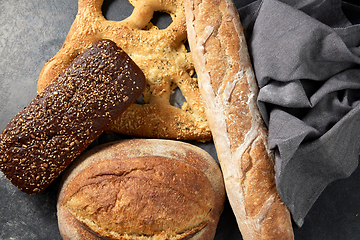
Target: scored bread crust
{"points": [[160, 54], [229, 91], [141, 189]]}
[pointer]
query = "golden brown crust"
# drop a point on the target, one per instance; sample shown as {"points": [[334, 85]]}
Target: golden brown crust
{"points": [[142, 189], [229, 90], [160, 54]]}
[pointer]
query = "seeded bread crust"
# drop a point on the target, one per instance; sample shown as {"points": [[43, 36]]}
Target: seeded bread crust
{"points": [[141, 189], [45, 137], [229, 91]]}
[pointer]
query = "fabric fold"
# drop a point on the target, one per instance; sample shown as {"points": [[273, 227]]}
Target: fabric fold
{"points": [[306, 58]]}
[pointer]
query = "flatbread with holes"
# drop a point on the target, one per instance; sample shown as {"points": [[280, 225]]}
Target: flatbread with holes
{"points": [[160, 54]]}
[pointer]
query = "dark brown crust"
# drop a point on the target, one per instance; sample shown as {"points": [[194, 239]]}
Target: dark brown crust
{"points": [[45, 137], [175, 177]]}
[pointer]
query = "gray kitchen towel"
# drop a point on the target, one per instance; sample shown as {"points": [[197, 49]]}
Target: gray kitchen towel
{"points": [[306, 58]]}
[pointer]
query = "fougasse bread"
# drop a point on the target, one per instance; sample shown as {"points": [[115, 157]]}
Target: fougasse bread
{"points": [[229, 90], [71, 112], [160, 54], [143, 189]]}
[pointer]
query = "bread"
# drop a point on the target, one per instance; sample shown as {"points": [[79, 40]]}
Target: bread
{"points": [[45, 137], [141, 189], [160, 54], [229, 90]]}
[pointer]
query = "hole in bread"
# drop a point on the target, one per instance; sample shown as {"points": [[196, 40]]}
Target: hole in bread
{"points": [[116, 10], [140, 100], [187, 46], [176, 98], [161, 19]]}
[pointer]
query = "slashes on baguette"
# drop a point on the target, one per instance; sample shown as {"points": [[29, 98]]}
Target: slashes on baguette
{"points": [[228, 88]]}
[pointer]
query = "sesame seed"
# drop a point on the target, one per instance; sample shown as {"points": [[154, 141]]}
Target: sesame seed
{"points": [[78, 94]]}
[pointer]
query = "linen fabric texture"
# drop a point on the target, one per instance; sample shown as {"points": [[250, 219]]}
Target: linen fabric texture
{"points": [[306, 58]]}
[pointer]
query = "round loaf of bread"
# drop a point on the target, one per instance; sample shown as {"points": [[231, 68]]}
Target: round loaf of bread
{"points": [[141, 189]]}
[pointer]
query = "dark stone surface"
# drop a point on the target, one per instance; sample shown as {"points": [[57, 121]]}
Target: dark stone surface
{"points": [[31, 32]]}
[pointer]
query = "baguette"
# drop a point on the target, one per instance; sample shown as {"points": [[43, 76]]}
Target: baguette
{"points": [[229, 90], [45, 137], [141, 189]]}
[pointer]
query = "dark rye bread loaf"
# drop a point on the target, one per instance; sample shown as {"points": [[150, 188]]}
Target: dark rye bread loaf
{"points": [[45, 137]]}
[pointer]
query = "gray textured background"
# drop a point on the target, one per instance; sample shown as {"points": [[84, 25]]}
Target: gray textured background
{"points": [[31, 32]]}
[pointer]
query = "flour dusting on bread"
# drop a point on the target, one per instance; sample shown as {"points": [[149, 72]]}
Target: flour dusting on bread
{"points": [[229, 90]]}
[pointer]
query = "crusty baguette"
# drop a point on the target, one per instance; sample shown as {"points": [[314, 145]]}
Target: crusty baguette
{"points": [[229, 91], [141, 189], [45, 137]]}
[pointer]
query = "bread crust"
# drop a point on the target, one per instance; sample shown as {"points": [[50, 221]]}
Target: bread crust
{"points": [[149, 188], [229, 91], [160, 54], [45, 137]]}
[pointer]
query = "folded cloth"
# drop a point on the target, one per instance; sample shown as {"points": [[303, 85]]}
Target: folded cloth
{"points": [[306, 59]]}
